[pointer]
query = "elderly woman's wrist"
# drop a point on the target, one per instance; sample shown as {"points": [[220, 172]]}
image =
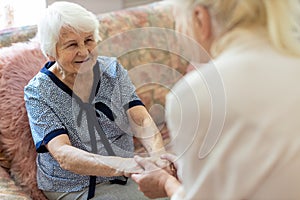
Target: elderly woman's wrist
{"points": [[113, 165], [119, 172], [157, 152]]}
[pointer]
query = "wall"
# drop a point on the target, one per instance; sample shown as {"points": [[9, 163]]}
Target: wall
{"points": [[97, 6], [131, 3], [102, 6]]}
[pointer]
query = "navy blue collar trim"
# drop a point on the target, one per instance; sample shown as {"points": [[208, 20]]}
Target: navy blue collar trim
{"points": [[96, 86], [65, 88], [54, 78]]}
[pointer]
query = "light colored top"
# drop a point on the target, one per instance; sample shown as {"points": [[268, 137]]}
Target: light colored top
{"points": [[237, 133], [54, 109]]}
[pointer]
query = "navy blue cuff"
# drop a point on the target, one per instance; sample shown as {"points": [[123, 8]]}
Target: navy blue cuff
{"points": [[132, 104], [41, 146]]}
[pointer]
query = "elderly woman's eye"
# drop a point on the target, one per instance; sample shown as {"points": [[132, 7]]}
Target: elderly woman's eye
{"points": [[89, 40], [72, 45]]}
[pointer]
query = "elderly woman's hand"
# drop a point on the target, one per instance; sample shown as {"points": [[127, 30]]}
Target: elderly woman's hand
{"points": [[130, 166]]}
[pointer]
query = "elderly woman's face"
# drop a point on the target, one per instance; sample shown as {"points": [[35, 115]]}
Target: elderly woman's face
{"points": [[76, 51]]}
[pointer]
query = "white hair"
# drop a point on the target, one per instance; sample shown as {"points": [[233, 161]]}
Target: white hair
{"points": [[64, 14]]}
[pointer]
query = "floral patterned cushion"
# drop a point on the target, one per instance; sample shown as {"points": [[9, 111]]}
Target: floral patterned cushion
{"points": [[141, 38]]}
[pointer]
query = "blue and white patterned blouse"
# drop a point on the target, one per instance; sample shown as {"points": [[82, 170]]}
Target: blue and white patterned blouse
{"points": [[53, 109]]}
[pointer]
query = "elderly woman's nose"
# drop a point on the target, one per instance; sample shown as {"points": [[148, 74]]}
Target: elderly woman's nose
{"points": [[83, 50]]}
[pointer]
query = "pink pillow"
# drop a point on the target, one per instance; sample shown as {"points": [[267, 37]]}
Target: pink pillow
{"points": [[18, 64], [8, 189]]}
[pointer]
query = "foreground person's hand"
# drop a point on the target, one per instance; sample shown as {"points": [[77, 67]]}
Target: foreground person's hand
{"points": [[172, 167]]}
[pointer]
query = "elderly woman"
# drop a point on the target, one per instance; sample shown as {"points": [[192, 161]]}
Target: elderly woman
{"points": [[235, 122], [82, 110]]}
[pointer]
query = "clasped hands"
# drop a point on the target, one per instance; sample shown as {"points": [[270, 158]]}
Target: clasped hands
{"points": [[154, 174]]}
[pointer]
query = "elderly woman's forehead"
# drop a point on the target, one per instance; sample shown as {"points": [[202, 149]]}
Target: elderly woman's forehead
{"points": [[66, 31]]}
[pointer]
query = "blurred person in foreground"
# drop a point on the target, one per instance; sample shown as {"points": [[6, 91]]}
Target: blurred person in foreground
{"points": [[235, 122], [83, 113]]}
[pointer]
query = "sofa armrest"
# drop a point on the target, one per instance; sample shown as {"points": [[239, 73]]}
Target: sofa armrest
{"points": [[15, 35]]}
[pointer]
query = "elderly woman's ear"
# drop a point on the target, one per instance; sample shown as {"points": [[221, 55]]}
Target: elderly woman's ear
{"points": [[202, 26], [51, 58]]}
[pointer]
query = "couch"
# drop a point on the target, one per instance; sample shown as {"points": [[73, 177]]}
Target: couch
{"points": [[139, 37]]}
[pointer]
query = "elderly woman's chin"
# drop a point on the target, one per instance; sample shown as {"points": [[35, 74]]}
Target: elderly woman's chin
{"points": [[85, 65]]}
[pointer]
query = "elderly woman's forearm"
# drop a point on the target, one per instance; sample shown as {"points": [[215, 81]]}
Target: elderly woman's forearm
{"points": [[145, 130], [80, 161], [85, 163], [153, 144], [151, 139]]}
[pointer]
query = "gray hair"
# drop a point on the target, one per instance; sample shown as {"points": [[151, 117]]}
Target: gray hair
{"points": [[64, 14]]}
